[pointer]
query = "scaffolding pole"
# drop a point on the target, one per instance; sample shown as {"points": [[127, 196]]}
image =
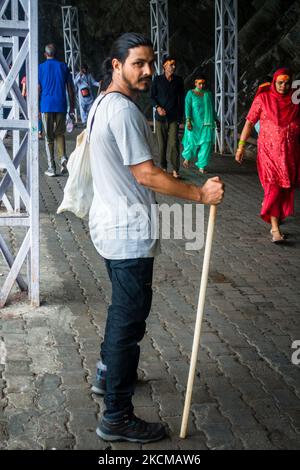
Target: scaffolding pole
{"points": [[72, 43], [19, 185], [71, 38], [226, 74], [159, 34], [159, 31]]}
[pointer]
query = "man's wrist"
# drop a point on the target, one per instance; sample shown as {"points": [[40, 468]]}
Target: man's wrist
{"points": [[197, 193]]}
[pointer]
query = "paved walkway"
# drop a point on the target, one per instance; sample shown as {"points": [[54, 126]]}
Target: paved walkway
{"points": [[246, 393]]}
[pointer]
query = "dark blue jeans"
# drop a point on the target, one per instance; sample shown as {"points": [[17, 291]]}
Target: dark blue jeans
{"points": [[125, 327]]}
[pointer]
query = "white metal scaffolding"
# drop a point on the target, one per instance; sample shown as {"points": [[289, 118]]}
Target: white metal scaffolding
{"points": [[159, 31], [19, 191], [226, 74], [159, 18], [71, 38]]}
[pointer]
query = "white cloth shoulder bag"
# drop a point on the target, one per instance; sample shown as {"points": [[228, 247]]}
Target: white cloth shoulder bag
{"points": [[78, 192]]}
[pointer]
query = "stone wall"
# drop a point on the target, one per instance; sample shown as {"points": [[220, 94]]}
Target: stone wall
{"points": [[269, 35]]}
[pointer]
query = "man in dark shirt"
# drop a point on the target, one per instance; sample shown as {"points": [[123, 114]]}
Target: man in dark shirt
{"points": [[167, 96]]}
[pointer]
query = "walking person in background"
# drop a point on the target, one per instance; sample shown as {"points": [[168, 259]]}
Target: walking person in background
{"points": [[167, 96], [199, 133], [24, 94], [55, 81], [84, 83], [278, 149]]}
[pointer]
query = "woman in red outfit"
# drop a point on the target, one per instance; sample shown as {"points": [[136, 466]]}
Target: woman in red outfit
{"points": [[278, 148]]}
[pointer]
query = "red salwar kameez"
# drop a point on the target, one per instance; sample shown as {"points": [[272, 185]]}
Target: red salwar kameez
{"points": [[278, 149]]}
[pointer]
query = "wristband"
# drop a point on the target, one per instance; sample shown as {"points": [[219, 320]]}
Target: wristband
{"points": [[242, 143]]}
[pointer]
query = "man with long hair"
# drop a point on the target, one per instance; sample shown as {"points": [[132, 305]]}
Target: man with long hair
{"points": [[124, 176]]}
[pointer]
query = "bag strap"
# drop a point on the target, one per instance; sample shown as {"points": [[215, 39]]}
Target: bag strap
{"points": [[100, 101], [93, 118]]}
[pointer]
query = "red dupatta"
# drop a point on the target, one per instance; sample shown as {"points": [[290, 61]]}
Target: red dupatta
{"points": [[280, 108]]}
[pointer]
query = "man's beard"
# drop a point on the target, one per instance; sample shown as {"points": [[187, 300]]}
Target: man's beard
{"points": [[134, 88]]}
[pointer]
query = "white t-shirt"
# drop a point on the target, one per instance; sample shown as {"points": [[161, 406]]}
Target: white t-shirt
{"points": [[123, 215]]}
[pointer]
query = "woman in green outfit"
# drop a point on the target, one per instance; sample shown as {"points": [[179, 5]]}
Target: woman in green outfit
{"points": [[199, 133]]}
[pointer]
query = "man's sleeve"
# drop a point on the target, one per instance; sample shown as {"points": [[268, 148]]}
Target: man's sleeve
{"points": [[40, 75], [153, 95], [128, 129]]}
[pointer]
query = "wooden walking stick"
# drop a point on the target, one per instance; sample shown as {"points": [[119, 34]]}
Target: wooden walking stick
{"points": [[200, 310]]}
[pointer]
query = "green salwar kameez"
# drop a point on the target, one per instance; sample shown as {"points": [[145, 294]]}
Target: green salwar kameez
{"points": [[199, 141]]}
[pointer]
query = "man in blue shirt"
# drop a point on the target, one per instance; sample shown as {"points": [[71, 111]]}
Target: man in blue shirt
{"points": [[55, 81]]}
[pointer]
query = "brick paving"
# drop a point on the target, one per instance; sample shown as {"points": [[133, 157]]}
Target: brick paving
{"points": [[246, 392]]}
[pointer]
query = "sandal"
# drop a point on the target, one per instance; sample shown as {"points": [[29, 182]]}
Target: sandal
{"points": [[202, 171], [279, 240]]}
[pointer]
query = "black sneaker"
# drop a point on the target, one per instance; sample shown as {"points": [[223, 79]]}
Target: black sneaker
{"points": [[131, 429], [99, 387]]}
